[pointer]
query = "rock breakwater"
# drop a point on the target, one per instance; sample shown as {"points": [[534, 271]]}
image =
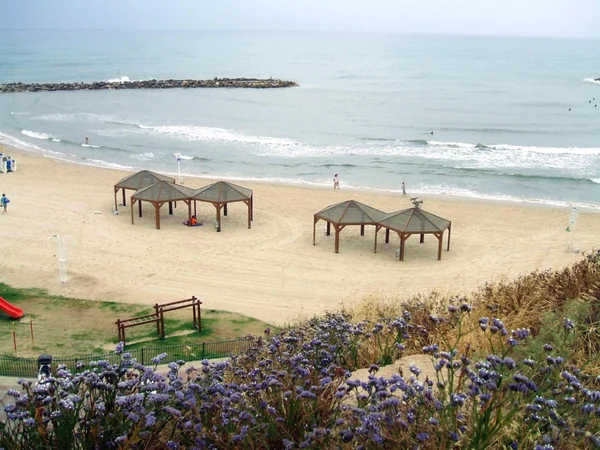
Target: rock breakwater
{"points": [[248, 83]]}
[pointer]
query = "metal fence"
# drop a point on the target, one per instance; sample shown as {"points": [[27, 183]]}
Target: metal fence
{"points": [[28, 367]]}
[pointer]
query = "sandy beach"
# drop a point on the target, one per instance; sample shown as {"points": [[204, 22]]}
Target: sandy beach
{"points": [[272, 271]]}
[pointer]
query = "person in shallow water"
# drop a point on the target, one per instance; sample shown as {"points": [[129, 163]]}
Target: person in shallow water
{"points": [[87, 140]]}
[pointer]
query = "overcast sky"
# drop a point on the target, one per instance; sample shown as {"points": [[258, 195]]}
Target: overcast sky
{"points": [[569, 18]]}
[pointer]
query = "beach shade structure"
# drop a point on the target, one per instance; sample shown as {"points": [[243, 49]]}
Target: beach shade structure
{"points": [[160, 193], [346, 213], [138, 181], [220, 194], [413, 221]]}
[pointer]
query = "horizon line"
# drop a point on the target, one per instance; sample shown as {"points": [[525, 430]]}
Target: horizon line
{"points": [[306, 31]]}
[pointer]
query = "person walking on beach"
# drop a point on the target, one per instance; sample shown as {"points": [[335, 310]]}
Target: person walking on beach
{"points": [[403, 189], [4, 202], [336, 182]]}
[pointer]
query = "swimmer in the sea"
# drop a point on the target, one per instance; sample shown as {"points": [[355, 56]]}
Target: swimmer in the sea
{"points": [[87, 140]]}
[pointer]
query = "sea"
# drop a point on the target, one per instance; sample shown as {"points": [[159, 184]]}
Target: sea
{"points": [[499, 118]]}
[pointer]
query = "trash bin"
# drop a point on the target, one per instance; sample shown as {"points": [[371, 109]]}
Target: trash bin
{"points": [[44, 362]]}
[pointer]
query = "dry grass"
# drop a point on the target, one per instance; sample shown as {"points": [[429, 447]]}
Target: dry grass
{"points": [[533, 301]]}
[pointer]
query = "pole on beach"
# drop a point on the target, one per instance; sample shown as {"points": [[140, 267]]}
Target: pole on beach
{"points": [[61, 255], [571, 229], [178, 157]]}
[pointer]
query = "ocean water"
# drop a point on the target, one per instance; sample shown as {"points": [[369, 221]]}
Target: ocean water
{"points": [[512, 118]]}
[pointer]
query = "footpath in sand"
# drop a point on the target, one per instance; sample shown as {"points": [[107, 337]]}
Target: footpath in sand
{"points": [[272, 271]]}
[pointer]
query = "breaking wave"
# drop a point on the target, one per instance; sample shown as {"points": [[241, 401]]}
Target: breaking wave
{"points": [[42, 136]]}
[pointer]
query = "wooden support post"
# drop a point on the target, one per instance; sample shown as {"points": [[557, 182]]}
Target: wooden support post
{"points": [[124, 200], [315, 220], [194, 311], [219, 218], [337, 238], [449, 230], [195, 208], [440, 236], [116, 192], [157, 212], [249, 213], [328, 229], [252, 207], [162, 324], [422, 238], [225, 209], [362, 230], [402, 240], [387, 235], [132, 203], [189, 203], [140, 207], [375, 245], [157, 322], [170, 208]]}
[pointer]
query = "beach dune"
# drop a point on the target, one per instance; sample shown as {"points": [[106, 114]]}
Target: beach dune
{"points": [[271, 271]]}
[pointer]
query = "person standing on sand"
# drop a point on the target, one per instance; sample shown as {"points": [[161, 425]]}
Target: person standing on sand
{"points": [[336, 182], [403, 189], [4, 202]]}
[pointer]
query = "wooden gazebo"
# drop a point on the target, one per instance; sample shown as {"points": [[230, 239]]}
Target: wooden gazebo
{"points": [[160, 193], [220, 194], [138, 181], [414, 221], [346, 213]]}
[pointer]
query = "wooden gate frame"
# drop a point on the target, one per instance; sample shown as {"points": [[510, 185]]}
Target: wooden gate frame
{"points": [[158, 317]]}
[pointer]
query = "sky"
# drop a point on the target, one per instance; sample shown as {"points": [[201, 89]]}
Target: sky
{"points": [[560, 18]]}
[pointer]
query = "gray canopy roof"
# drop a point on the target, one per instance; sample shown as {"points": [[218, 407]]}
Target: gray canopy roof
{"points": [[163, 191], [222, 192], [414, 220], [142, 179], [350, 212]]}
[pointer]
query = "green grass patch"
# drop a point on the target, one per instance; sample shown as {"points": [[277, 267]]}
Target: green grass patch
{"points": [[70, 327]]}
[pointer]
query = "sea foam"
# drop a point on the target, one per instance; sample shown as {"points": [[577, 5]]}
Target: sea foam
{"points": [[591, 80], [200, 133], [122, 79], [36, 135]]}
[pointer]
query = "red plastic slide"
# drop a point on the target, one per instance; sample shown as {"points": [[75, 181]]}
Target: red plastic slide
{"points": [[10, 309]]}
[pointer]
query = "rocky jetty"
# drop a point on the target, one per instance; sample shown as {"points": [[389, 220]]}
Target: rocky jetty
{"points": [[249, 83]]}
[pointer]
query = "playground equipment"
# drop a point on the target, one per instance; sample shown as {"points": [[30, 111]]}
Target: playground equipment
{"points": [[158, 317], [10, 309], [61, 255]]}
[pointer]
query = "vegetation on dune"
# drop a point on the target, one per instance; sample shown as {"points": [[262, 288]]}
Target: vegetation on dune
{"points": [[513, 366]]}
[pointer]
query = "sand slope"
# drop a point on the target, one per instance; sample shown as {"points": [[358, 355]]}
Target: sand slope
{"points": [[272, 271]]}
